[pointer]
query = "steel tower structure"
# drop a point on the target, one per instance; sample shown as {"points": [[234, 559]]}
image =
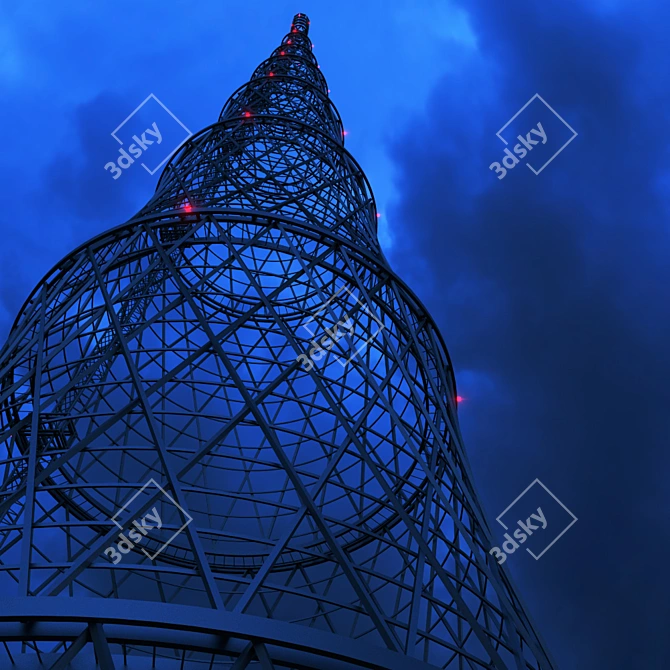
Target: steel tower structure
{"points": [[237, 385]]}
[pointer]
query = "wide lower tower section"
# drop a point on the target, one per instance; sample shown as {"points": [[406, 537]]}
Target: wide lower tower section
{"points": [[228, 431]]}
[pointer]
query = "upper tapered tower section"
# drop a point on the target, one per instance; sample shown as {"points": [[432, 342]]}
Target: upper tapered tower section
{"points": [[290, 84], [277, 148]]}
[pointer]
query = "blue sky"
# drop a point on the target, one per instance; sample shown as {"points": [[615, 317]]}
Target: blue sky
{"points": [[550, 290]]}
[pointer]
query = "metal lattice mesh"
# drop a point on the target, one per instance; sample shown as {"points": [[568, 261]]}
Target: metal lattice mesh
{"points": [[324, 505]]}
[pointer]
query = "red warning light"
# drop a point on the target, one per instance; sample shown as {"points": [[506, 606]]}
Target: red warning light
{"points": [[271, 74], [459, 398], [247, 114], [187, 208], [282, 54], [379, 216]]}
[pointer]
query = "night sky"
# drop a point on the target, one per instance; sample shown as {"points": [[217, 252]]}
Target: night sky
{"points": [[551, 290]]}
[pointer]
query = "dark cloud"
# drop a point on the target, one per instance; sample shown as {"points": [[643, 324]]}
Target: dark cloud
{"points": [[71, 199], [551, 292]]}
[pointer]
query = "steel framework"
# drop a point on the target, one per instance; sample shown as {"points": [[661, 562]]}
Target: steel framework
{"points": [[315, 502]]}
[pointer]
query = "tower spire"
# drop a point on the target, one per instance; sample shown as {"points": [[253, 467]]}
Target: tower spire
{"points": [[289, 83], [300, 24]]}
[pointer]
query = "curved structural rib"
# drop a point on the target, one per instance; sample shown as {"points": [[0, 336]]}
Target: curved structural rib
{"points": [[228, 431]]}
